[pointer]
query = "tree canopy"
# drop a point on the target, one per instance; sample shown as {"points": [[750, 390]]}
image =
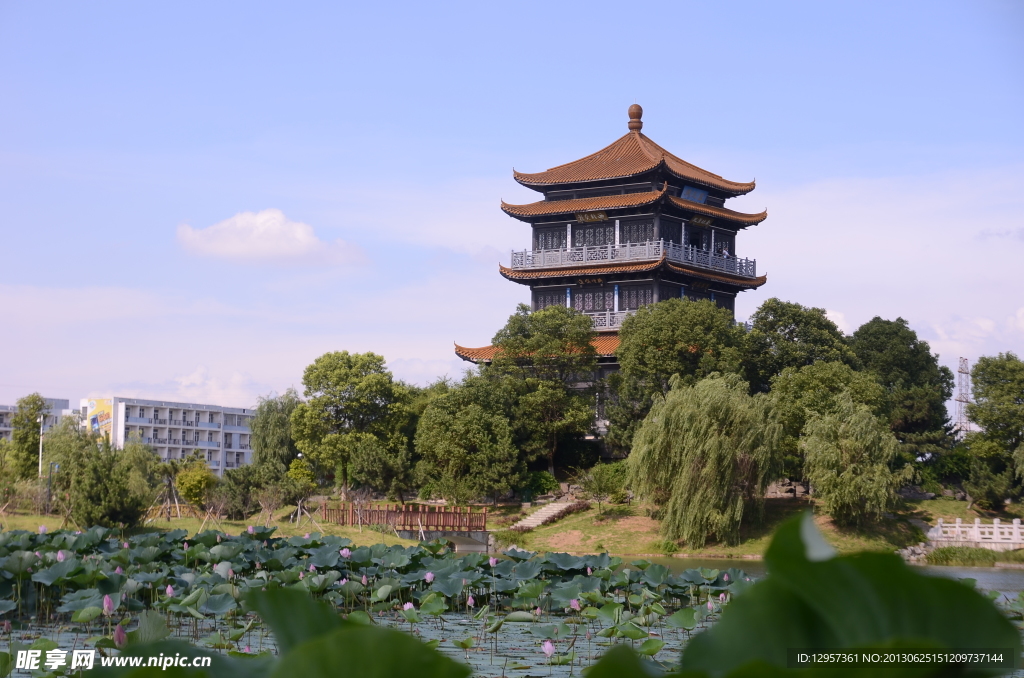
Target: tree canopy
{"points": [[705, 455], [785, 334], [24, 461], [271, 429]]}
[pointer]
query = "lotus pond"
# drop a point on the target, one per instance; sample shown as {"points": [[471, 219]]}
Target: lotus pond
{"points": [[518, 614]]}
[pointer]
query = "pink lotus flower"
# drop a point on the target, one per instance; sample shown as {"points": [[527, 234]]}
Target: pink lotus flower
{"points": [[408, 606], [343, 581], [302, 575], [60, 556], [248, 650], [492, 561], [251, 529], [589, 572], [312, 567], [38, 554], [721, 597], [118, 570], [538, 612], [231, 573], [470, 602], [711, 606], [345, 553], [575, 604], [549, 648], [364, 580], [307, 535], [170, 591], [127, 545], [108, 605], [725, 577], [429, 577], [120, 637], [42, 529]]}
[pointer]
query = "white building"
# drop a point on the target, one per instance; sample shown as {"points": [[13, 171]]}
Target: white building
{"points": [[56, 410], [174, 430]]}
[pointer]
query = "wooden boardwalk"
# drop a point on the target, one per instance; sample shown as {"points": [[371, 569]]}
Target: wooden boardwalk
{"points": [[409, 517]]}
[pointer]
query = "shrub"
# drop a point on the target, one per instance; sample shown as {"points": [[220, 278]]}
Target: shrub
{"points": [[506, 538], [540, 482]]}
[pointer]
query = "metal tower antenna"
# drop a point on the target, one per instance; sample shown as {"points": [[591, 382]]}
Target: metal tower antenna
{"points": [[963, 397]]}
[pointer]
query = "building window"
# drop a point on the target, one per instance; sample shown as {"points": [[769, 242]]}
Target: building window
{"points": [[211, 417], [632, 298], [636, 231], [594, 301], [142, 412], [549, 238], [591, 236], [545, 298]]}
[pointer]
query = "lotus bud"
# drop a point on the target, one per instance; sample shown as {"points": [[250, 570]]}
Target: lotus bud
{"points": [[575, 604], [251, 529], [185, 546], [492, 561], [127, 545], [345, 553], [42, 529], [118, 570], [120, 637], [312, 567], [306, 536], [231, 573], [364, 580], [302, 575], [259, 565], [549, 648], [343, 581], [538, 612], [248, 650], [711, 606], [588, 634], [429, 577], [29, 569], [218, 538], [7, 626], [721, 597], [38, 554], [470, 602], [170, 591], [409, 606], [589, 572], [725, 577], [60, 556], [108, 605]]}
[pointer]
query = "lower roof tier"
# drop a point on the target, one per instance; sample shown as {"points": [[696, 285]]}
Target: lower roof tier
{"points": [[663, 267], [604, 344]]}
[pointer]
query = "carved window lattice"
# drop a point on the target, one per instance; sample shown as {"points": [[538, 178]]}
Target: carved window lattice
{"points": [[549, 238], [594, 301], [636, 231], [632, 298], [593, 235], [549, 298], [696, 238]]}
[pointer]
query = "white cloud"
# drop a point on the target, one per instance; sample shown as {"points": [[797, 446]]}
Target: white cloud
{"points": [[266, 236], [839, 319]]}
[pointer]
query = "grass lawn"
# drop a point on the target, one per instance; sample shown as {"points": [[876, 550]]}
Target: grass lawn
{"points": [[284, 528], [626, 530], [930, 510]]}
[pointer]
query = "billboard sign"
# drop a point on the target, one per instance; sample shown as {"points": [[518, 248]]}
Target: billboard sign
{"points": [[100, 416]]}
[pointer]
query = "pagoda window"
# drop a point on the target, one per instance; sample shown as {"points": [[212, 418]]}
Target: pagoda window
{"points": [[725, 242], [549, 238], [694, 194], [696, 237], [550, 297], [636, 231], [596, 300], [591, 236], [633, 297], [672, 231]]}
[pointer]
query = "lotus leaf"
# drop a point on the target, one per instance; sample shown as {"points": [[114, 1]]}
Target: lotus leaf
{"points": [[152, 627]]}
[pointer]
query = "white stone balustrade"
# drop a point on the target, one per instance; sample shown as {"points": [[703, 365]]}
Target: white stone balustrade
{"points": [[995, 536]]}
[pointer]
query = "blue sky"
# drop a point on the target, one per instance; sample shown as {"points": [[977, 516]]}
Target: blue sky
{"points": [[200, 198]]}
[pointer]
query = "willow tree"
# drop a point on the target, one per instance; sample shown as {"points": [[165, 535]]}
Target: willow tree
{"points": [[848, 457], [705, 454]]}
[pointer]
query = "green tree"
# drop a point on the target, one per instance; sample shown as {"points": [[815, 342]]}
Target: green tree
{"points": [[143, 469], [785, 334], [347, 395], [690, 338], [543, 364], [918, 386], [705, 455], [991, 478], [101, 492], [466, 451], [271, 428], [998, 407], [24, 461], [848, 456], [818, 388], [387, 470], [194, 479], [601, 481]]}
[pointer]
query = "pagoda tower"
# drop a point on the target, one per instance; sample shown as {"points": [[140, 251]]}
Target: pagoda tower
{"points": [[629, 225]]}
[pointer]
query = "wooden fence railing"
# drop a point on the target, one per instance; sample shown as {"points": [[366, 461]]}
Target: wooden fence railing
{"points": [[408, 517]]}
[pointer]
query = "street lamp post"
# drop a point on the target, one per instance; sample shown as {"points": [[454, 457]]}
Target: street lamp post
{"points": [[42, 422]]}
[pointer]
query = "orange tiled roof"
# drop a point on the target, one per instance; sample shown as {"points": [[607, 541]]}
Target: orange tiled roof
{"points": [[513, 274], [711, 211], [752, 283], [604, 344], [629, 156], [604, 202]]}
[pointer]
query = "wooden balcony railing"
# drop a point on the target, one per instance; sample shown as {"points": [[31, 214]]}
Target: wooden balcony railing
{"points": [[642, 251], [409, 517]]}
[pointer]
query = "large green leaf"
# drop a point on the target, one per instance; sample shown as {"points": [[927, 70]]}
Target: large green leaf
{"points": [[152, 628], [369, 652], [812, 600], [293, 616], [219, 604], [55, 573]]}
